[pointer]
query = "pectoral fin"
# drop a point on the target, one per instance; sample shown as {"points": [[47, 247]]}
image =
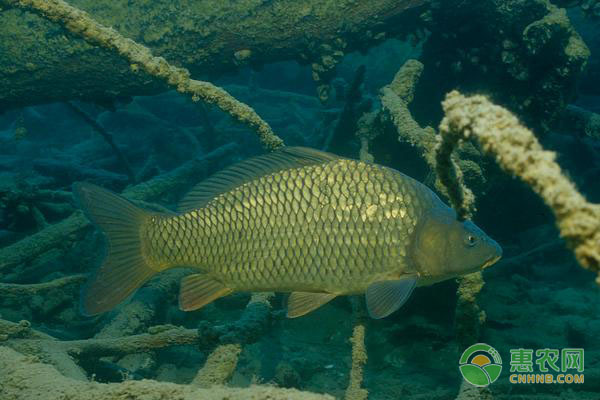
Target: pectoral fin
{"points": [[300, 303], [385, 297], [198, 290]]}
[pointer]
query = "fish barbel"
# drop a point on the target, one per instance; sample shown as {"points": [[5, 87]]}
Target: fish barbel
{"points": [[296, 220]]}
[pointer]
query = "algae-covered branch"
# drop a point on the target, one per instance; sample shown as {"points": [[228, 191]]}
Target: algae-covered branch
{"points": [[42, 62]]}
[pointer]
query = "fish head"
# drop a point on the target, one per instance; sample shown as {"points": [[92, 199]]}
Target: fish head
{"points": [[445, 247]]}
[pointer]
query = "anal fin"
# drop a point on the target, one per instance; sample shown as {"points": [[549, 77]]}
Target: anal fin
{"points": [[301, 303], [385, 297], [198, 290]]}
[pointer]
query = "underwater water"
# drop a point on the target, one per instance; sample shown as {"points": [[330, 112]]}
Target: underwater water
{"points": [[361, 80]]}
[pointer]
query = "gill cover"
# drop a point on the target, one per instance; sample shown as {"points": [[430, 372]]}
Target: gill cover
{"points": [[445, 247]]}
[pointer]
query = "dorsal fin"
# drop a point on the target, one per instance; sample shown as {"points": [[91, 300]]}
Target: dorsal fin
{"points": [[247, 170]]}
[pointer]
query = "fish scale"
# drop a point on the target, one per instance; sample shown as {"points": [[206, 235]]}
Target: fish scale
{"points": [[331, 226], [295, 220]]}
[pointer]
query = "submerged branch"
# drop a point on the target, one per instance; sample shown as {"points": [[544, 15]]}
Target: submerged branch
{"points": [[22, 329], [205, 38], [80, 23], [107, 137], [518, 152], [14, 289], [219, 366], [355, 391], [24, 377], [395, 100], [130, 344], [451, 177], [344, 133], [32, 246], [359, 358], [248, 329], [107, 347]]}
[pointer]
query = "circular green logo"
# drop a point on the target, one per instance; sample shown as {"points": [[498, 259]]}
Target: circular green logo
{"points": [[480, 364]]}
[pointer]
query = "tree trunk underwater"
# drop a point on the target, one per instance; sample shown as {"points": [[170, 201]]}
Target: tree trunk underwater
{"points": [[41, 62]]}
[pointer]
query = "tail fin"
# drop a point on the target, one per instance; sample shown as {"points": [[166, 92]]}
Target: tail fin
{"points": [[124, 268]]}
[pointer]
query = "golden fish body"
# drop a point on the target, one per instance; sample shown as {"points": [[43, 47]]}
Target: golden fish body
{"points": [[334, 227], [296, 220]]}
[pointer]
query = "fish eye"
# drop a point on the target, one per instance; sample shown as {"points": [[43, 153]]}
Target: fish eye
{"points": [[470, 240]]}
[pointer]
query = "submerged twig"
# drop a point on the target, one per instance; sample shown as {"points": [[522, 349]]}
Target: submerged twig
{"points": [[354, 391], [526, 256], [359, 358], [250, 327], [219, 366], [354, 107], [131, 344], [107, 137], [468, 316], [451, 177], [221, 363], [14, 289], [108, 346], [395, 99]]}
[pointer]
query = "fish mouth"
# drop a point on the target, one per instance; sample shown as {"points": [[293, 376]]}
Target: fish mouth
{"points": [[491, 261]]}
